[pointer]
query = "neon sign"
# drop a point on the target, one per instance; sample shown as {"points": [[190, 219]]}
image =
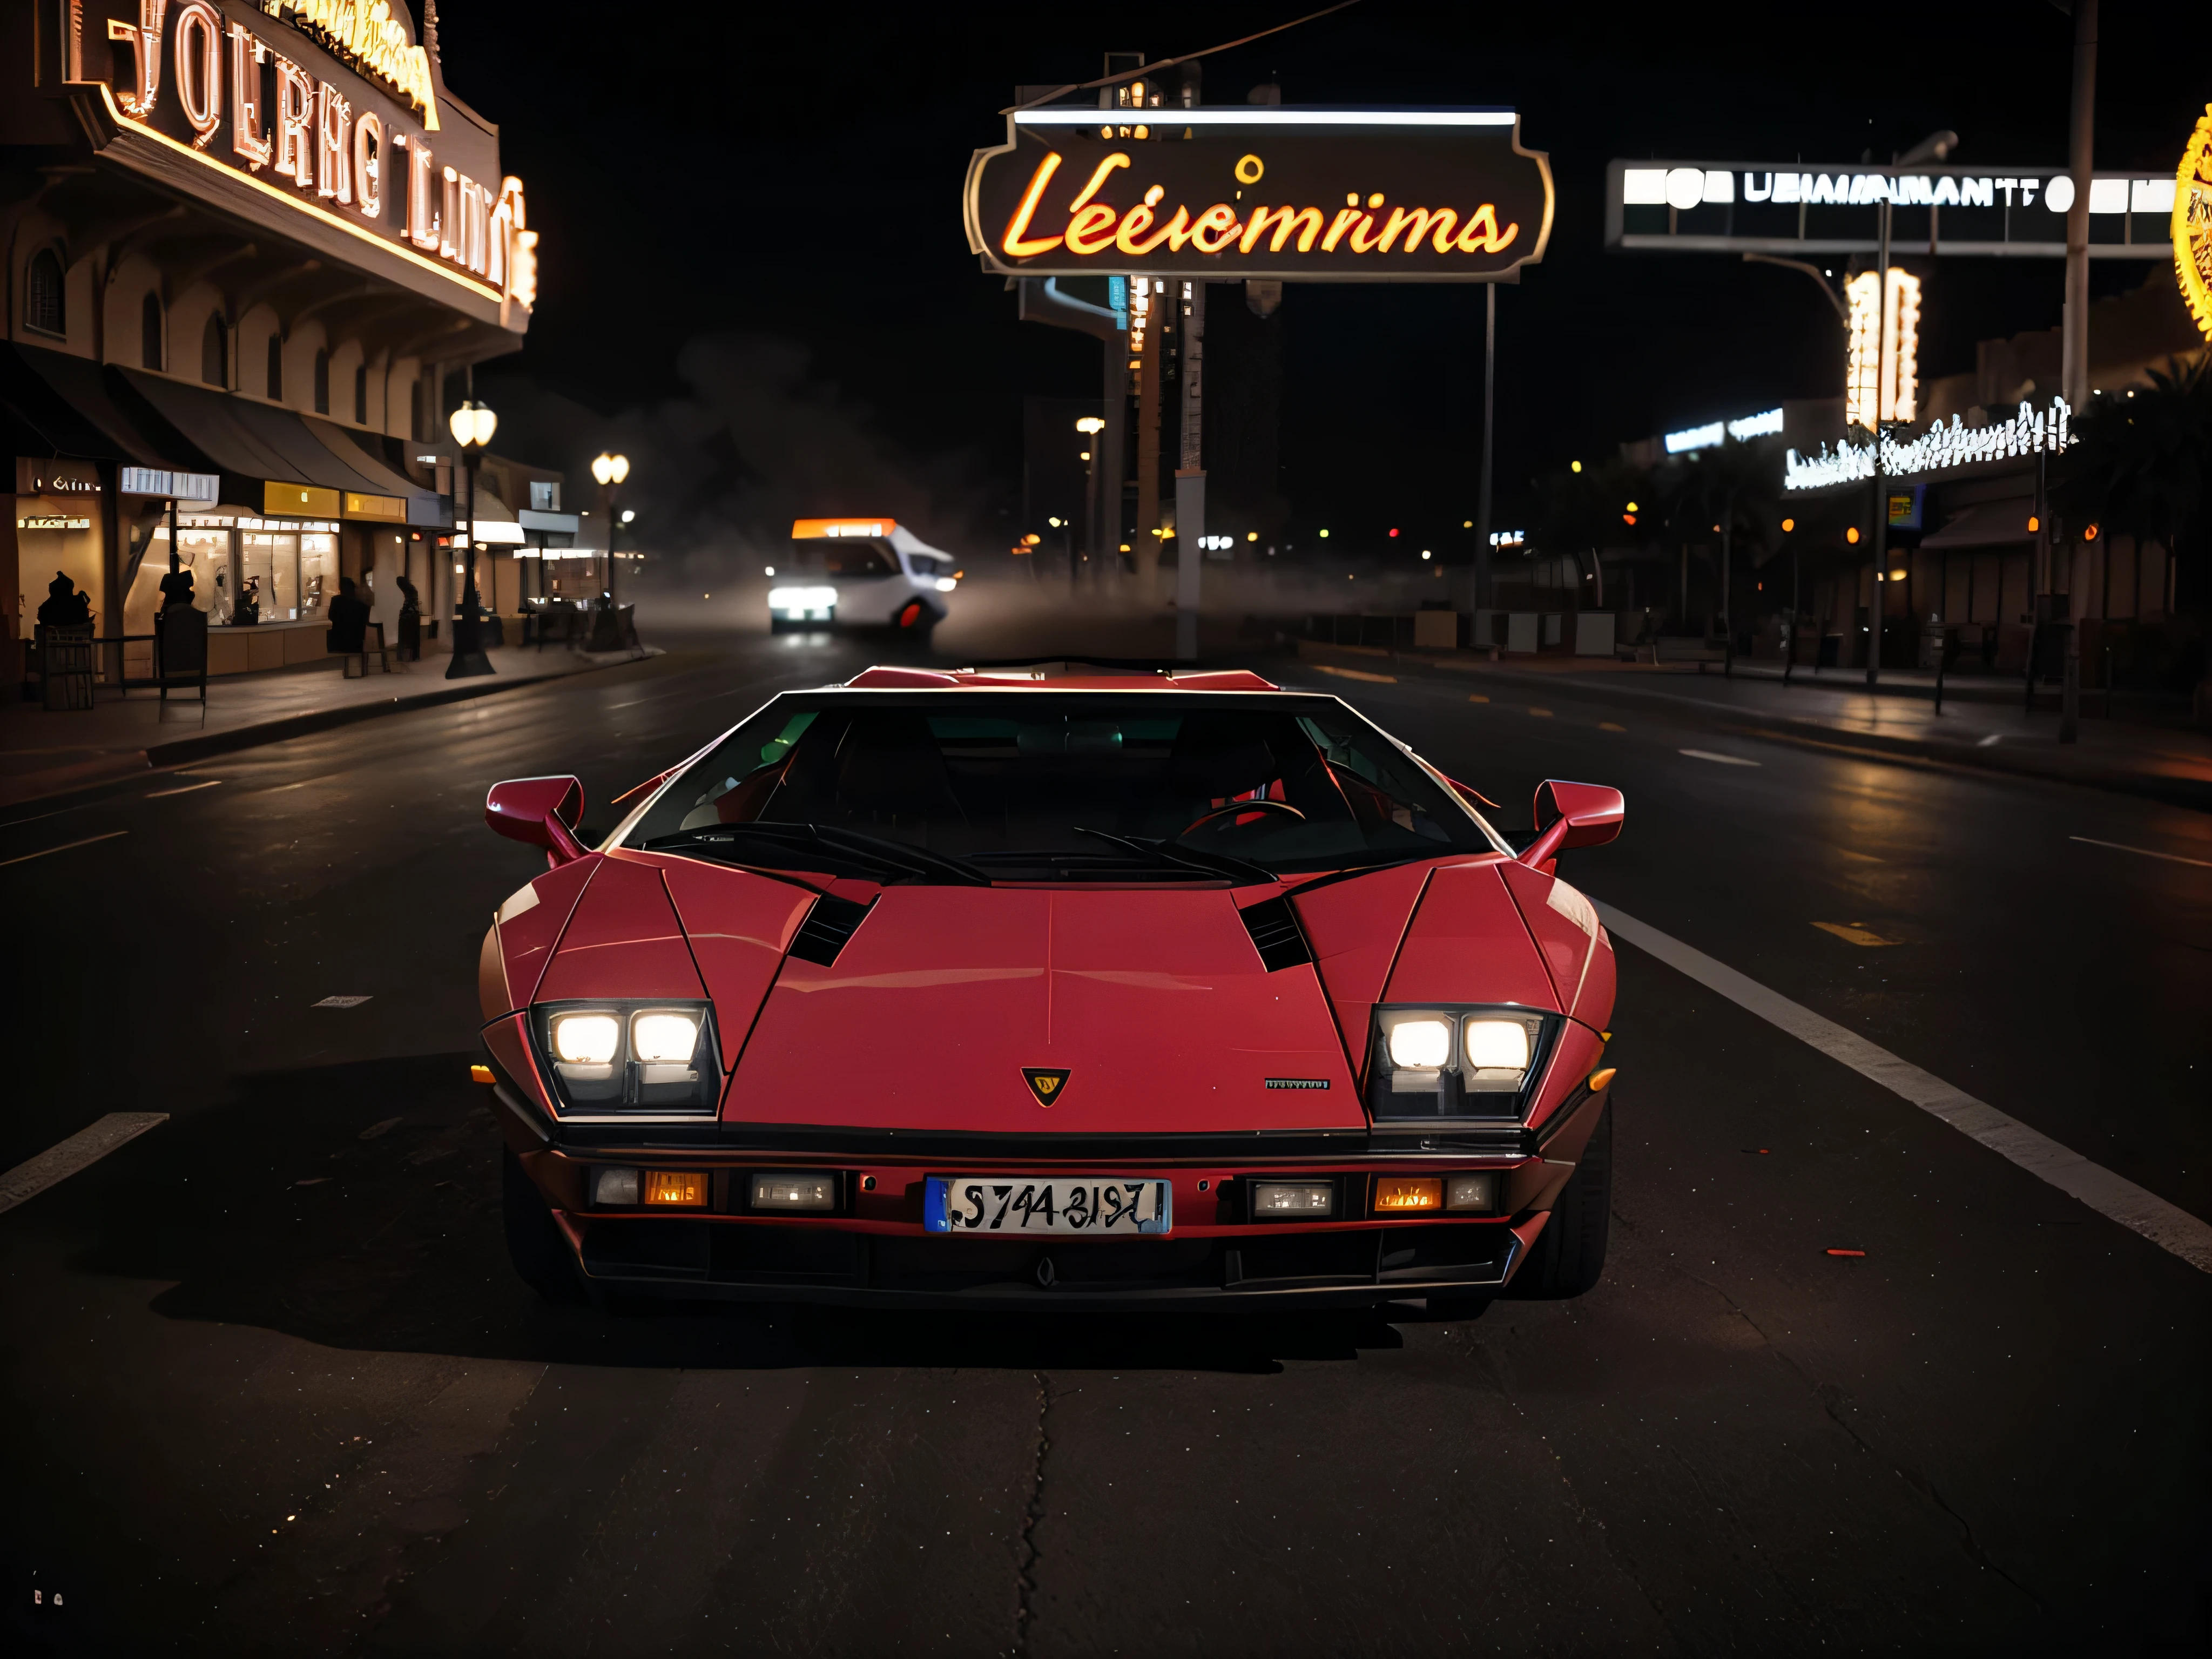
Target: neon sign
{"points": [[1939, 447], [1263, 192], [322, 147], [1763, 424], [1894, 381], [2192, 223]]}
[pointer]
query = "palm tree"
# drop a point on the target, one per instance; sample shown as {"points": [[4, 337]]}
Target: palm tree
{"points": [[2139, 466]]}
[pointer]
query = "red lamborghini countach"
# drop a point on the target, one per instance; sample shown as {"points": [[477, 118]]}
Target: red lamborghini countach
{"points": [[1053, 990]]}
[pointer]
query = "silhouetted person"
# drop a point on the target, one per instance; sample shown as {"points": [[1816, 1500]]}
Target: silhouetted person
{"points": [[349, 619], [410, 601], [177, 589], [249, 602], [64, 606]]}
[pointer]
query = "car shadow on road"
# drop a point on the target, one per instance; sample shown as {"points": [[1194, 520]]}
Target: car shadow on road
{"points": [[357, 1207]]}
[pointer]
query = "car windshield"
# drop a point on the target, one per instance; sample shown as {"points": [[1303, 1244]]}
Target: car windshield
{"points": [[854, 560], [1034, 786]]}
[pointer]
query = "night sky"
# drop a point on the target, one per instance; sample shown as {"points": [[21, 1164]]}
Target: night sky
{"points": [[795, 171]]}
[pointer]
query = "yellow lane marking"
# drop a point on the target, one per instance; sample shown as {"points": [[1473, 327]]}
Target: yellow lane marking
{"points": [[1607, 726], [1478, 697], [1541, 714], [1863, 858], [185, 789], [1356, 674], [1852, 933]]}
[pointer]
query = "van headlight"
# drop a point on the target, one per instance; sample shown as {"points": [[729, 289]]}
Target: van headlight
{"points": [[1457, 1061], [630, 1056], [802, 602]]}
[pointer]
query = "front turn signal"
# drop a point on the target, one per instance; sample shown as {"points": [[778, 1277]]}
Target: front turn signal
{"points": [[480, 1074], [1598, 1080], [1394, 1194], [678, 1189]]}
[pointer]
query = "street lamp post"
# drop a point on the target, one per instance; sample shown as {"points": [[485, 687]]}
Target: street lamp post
{"points": [[609, 470], [472, 425], [1089, 425]]}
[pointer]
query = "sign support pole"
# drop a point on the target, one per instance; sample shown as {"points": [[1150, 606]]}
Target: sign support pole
{"points": [[1482, 549], [1190, 477], [1880, 489]]}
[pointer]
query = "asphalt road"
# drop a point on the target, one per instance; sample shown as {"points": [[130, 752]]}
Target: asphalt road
{"points": [[270, 1387]]}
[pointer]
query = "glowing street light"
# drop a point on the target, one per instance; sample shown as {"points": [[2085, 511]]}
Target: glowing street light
{"points": [[1089, 425], [472, 426], [611, 470]]}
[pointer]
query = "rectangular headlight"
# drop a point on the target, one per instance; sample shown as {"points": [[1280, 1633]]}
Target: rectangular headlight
{"points": [[803, 1191], [1468, 1062], [622, 1055], [1475, 1194], [615, 1189], [1280, 1199], [801, 599]]}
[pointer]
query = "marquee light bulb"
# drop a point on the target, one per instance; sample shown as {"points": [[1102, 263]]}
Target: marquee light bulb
{"points": [[1574, 466], [1852, 535], [1090, 423]]}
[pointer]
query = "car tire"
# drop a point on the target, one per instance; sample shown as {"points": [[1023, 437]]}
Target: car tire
{"points": [[1570, 1255], [534, 1241]]}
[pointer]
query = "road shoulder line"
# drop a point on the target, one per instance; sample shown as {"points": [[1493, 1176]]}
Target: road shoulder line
{"points": [[2168, 1226], [80, 1151]]}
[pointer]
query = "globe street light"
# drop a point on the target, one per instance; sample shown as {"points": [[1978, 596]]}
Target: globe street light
{"points": [[609, 470], [472, 425], [1089, 425]]}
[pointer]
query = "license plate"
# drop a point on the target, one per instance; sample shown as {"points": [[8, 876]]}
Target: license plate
{"points": [[1031, 1204]]}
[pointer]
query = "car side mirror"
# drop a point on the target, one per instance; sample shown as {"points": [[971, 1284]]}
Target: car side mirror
{"points": [[1572, 814], [542, 811]]}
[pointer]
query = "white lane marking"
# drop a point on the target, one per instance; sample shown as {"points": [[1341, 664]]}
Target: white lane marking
{"points": [[1991, 741], [185, 789], [632, 704], [2166, 1225], [81, 1150], [25, 858], [2145, 852], [341, 1002], [1725, 760]]}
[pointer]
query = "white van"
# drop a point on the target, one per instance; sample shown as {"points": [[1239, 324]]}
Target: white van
{"points": [[860, 572]]}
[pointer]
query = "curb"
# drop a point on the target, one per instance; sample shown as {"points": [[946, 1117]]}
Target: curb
{"points": [[183, 751], [2189, 792]]}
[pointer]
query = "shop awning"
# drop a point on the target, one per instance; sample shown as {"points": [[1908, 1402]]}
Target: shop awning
{"points": [[266, 453], [66, 403], [1986, 524], [496, 525], [417, 505]]}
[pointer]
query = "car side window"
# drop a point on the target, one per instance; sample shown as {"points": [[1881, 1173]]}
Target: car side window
{"points": [[857, 561]]}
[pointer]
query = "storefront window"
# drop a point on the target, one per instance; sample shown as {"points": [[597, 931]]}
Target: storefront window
{"points": [[204, 552], [272, 591], [319, 573]]}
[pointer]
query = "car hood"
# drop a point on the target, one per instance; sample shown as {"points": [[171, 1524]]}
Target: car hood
{"points": [[944, 1003]]}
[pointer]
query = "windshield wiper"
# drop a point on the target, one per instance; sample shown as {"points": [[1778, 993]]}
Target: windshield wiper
{"points": [[1218, 864], [849, 844]]}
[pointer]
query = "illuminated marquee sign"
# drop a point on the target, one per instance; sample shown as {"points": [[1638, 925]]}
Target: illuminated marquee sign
{"points": [[806, 530], [2190, 228], [1261, 192], [1705, 207], [1895, 380], [1693, 438], [200, 86], [1935, 450]]}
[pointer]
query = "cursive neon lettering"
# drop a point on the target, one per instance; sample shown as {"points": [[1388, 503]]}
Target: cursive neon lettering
{"points": [[1481, 235], [1306, 222], [1180, 230], [1091, 230], [1363, 238], [1134, 223], [1217, 221], [1345, 218], [1098, 177], [1016, 243]]}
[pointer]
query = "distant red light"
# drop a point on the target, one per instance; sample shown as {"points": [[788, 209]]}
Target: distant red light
{"points": [[1393, 532]]}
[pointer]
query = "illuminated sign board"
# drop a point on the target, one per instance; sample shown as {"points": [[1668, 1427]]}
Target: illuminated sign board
{"points": [[1894, 381], [1766, 422], [804, 530], [34, 476], [328, 111], [2190, 223], [1273, 192], [177, 486], [2031, 431], [1795, 208], [51, 522]]}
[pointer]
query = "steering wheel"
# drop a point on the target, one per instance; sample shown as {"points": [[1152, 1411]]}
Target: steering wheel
{"points": [[1242, 806]]}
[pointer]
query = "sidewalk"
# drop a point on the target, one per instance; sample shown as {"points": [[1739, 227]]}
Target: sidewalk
{"points": [[45, 753], [2171, 763]]}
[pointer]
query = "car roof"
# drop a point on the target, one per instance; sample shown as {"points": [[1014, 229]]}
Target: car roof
{"points": [[1076, 678]]}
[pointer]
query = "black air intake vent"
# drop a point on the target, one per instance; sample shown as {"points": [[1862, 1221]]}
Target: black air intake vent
{"points": [[1275, 935], [828, 926]]}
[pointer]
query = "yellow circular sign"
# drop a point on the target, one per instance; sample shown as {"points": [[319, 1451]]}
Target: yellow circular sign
{"points": [[1248, 169], [2192, 223]]}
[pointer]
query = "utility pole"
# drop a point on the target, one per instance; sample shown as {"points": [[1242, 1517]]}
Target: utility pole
{"points": [[2074, 377], [1881, 488], [1489, 403]]}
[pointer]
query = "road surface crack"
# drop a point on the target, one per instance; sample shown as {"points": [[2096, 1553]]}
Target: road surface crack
{"points": [[1032, 1512], [1831, 1398]]}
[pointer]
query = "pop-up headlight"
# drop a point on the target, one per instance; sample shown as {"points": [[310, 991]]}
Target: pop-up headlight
{"points": [[621, 1057], [1455, 1062]]}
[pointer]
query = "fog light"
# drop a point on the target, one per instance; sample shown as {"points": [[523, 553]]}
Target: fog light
{"points": [[679, 1187], [615, 1188], [794, 1192], [1472, 1192], [1396, 1193], [1308, 1198]]}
